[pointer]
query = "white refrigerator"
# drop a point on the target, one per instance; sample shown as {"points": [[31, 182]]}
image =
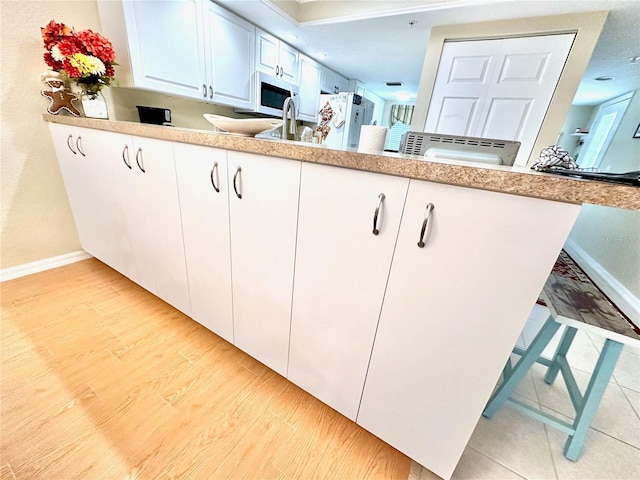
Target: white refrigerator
{"points": [[341, 116]]}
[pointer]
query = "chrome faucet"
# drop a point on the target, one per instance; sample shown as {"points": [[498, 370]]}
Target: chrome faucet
{"points": [[289, 125]]}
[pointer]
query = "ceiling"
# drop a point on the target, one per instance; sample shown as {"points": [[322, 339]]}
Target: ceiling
{"points": [[385, 41]]}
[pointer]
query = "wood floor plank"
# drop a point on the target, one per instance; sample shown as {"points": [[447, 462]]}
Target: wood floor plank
{"points": [[101, 379]]}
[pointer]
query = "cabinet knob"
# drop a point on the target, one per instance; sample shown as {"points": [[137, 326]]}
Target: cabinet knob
{"points": [[69, 138], [215, 168], [375, 215], [425, 224], [236, 181]]}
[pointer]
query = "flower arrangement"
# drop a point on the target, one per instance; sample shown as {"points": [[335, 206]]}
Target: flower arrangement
{"points": [[84, 56]]}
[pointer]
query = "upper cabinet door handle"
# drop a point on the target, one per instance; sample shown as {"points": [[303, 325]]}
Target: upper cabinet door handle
{"points": [[215, 168], [236, 180], [125, 156], [425, 224], [375, 215], [139, 160], [79, 146], [69, 138], [204, 91], [281, 72], [277, 71], [210, 91]]}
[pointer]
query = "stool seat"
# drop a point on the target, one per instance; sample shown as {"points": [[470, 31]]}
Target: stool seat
{"points": [[574, 300]]}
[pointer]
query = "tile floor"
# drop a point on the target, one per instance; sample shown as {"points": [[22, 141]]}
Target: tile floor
{"points": [[514, 446]]}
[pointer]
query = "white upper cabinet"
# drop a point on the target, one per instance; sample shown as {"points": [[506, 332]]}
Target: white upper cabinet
{"points": [[161, 43], [192, 48], [309, 93], [230, 46], [275, 57], [333, 82]]}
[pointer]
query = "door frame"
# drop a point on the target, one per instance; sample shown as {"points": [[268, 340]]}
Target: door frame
{"points": [[586, 26]]}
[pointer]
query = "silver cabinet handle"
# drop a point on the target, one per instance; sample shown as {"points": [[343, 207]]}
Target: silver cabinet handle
{"points": [[210, 91], [425, 224], [204, 91], [215, 168], [79, 146], [69, 138], [281, 72], [277, 71], [375, 215], [139, 160], [125, 150], [235, 184]]}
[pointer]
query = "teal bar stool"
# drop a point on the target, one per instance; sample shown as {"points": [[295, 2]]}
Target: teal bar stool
{"points": [[573, 300]]}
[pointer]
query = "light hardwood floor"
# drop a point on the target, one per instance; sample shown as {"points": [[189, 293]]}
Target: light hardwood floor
{"points": [[102, 380]]}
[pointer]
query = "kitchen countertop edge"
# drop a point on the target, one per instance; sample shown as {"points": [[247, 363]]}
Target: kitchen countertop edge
{"points": [[511, 180]]}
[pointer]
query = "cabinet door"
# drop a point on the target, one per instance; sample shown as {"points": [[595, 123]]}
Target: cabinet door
{"points": [[231, 54], [453, 311], [204, 205], [267, 52], [166, 45], [340, 278], [155, 225], [82, 164], [308, 106], [288, 61], [263, 240], [275, 57]]}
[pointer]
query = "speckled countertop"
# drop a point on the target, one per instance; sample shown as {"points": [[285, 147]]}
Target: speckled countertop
{"points": [[513, 180]]}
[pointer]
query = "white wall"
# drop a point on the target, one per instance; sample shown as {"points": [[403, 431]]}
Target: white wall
{"points": [[579, 116], [609, 238]]}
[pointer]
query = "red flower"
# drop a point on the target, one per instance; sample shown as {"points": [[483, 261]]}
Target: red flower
{"points": [[49, 60], [97, 45], [53, 33], [71, 45]]}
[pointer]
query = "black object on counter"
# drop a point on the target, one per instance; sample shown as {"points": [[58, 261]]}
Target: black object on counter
{"points": [[154, 115], [629, 178]]}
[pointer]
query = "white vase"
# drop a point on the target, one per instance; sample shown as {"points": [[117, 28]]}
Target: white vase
{"points": [[94, 105]]}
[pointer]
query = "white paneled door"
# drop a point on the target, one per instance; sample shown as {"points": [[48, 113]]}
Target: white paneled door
{"points": [[498, 88]]}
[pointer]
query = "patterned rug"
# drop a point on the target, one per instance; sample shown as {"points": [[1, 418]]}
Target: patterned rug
{"points": [[576, 296]]}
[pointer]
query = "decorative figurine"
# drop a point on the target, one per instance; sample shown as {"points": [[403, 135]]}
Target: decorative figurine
{"points": [[60, 98]]}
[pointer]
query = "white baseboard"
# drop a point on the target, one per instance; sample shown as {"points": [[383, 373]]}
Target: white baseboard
{"points": [[42, 265], [626, 301]]}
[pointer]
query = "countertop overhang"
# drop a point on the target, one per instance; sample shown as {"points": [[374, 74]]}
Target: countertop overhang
{"points": [[511, 180]]}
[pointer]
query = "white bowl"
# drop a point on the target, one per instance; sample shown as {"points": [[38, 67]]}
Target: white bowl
{"points": [[242, 126]]}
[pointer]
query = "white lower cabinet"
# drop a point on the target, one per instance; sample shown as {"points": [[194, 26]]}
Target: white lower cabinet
{"points": [[204, 203], [124, 198], [340, 276], [263, 205], [453, 311], [85, 171]]}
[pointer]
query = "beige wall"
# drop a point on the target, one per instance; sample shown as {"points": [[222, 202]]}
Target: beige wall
{"points": [[611, 236], [36, 222]]}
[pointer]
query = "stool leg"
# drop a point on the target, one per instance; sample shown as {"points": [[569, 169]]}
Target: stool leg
{"points": [[563, 347], [532, 354], [595, 390]]}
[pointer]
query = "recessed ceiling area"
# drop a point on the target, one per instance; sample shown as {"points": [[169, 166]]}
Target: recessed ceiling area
{"points": [[385, 41]]}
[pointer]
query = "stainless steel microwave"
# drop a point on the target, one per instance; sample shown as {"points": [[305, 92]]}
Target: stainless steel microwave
{"points": [[271, 93]]}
